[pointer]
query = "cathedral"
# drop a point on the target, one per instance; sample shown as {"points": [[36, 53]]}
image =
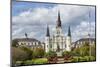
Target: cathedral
{"points": [[58, 42]]}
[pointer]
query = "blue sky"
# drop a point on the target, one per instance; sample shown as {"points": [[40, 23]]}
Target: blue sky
{"points": [[33, 18], [19, 7]]}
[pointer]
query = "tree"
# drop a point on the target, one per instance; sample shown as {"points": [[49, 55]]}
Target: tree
{"points": [[18, 55], [84, 50], [93, 50], [51, 56], [28, 51], [38, 52], [14, 43], [76, 52], [67, 55]]}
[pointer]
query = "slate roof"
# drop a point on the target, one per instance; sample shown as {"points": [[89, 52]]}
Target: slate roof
{"points": [[86, 39], [27, 39]]}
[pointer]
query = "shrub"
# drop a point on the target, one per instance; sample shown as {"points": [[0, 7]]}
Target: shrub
{"points": [[40, 61], [74, 59], [87, 58], [51, 56], [28, 51], [28, 62], [18, 55], [93, 50], [92, 58], [38, 53], [18, 63], [67, 55], [84, 50], [14, 43], [82, 59]]}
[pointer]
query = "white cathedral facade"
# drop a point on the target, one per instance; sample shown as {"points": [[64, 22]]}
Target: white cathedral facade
{"points": [[58, 42]]}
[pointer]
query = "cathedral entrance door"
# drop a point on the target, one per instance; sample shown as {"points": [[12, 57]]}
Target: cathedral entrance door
{"points": [[58, 50]]}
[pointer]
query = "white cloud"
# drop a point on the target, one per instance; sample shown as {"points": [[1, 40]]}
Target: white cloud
{"points": [[46, 15], [82, 30], [34, 21]]}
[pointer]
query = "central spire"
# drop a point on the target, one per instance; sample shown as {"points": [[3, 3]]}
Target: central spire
{"points": [[58, 20], [47, 34]]}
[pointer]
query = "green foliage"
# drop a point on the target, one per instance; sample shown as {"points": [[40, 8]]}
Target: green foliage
{"points": [[28, 62], [75, 59], [92, 58], [38, 53], [18, 63], [67, 55], [93, 50], [28, 51], [14, 43], [82, 59], [40, 61], [84, 50], [76, 52], [18, 55], [33, 61], [51, 54]]}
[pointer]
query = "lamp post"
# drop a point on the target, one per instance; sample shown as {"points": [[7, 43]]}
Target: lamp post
{"points": [[89, 33]]}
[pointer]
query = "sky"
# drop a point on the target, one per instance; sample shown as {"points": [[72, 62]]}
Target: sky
{"points": [[33, 18]]}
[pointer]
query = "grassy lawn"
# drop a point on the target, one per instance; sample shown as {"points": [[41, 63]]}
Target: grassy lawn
{"points": [[82, 59], [40, 61], [33, 61], [45, 60]]}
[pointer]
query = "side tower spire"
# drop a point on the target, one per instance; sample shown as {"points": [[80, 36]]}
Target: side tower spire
{"points": [[68, 42], [47, 40], [69, 32]]}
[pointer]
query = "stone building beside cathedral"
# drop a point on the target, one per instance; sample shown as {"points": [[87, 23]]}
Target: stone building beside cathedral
{"points": [[58, 42]]}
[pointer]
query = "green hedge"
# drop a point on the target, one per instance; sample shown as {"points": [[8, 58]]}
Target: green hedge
{"points": [[82, 59], [32, 62], [18, 63], [75, 59], [40, 61], [50, 54], [28, 62]]}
